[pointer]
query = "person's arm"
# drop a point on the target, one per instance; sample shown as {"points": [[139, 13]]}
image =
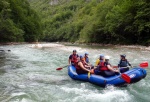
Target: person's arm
{"points": [[119, 64], [81, 65], [112, 69], [87, 66], [69, 60], [129, 63], [85, 62]]}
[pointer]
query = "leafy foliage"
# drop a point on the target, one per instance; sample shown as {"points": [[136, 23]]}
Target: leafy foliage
{"points": [[18, 21], [97, 21], [83, 21]]}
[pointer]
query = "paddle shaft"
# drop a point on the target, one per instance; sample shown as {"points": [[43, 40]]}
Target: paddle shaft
{"points": [[61, 67]]}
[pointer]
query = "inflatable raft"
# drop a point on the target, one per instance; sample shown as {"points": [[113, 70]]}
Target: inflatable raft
{"points": [[136, 74]]}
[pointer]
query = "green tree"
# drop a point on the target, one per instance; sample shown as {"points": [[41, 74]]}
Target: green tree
{"points": [[18, 21]]}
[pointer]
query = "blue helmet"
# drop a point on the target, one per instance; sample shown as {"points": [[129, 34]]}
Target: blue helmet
{"points": [[101, 55], [81, 56], [86, 53]]}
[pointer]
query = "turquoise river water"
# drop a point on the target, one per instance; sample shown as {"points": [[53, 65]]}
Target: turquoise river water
{"points": [[28, 74]]}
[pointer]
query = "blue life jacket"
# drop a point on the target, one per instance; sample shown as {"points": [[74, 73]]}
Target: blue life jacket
{"points": [[86, 59]]}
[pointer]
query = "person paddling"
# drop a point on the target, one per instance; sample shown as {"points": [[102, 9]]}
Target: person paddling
{"points": [[80, 68], [97, 70], [100, 59], [105, 68], [123, 64], [86, 58], [87, 61], [85, 64], [73, 58]]}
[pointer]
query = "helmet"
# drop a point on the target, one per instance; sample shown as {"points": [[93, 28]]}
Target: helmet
{"points": [[74, 51], [81, 56], [101, 55], [123, 56], [86, 53], [107, 57]]}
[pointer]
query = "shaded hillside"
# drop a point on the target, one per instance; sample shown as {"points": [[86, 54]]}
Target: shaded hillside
{"points": [[18, 22], [100, 21], [84, 21]]}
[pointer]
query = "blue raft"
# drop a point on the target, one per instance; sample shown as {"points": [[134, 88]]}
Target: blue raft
{"points": [[136, 74]]}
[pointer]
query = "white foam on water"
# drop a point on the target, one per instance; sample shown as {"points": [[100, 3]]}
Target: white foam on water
{"points": [[22, 100], [45, 45], [106, 95], [71, 48], [53, 79], [26, 100], [18, 94], [144, 83]]}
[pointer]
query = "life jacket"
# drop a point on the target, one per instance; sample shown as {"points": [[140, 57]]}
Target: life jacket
{"points": [[77, 66], [74, 58], [123, 63], [103, 66], [86, 59], [97, 62]]}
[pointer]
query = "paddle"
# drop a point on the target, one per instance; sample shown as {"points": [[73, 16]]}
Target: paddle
{"points": [[88, 74], [61, 67], [121, 67], [125, 77], [143, 65]]}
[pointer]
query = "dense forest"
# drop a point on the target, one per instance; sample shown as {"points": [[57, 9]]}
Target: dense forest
{"points": [[18, 22], [83, 21]]}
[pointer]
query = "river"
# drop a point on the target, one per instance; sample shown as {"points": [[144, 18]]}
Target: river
{"points": [[28, 74]]}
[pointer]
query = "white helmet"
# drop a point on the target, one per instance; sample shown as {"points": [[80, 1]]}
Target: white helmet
{"points": [[107, 57]]}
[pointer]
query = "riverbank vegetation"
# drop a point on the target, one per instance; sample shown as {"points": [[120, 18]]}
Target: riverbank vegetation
{"points": [[18, 22], [86, 21]]}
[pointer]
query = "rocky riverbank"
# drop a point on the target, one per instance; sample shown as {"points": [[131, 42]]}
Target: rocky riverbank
{"points": [[60, 44]]}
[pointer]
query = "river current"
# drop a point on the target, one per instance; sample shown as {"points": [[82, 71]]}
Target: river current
{"points": [[28, 74]]}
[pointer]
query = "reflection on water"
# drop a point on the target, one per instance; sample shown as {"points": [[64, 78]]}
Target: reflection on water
{"points": [[28, 74]]}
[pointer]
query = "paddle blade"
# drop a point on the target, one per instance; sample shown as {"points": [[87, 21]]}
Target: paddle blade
{"points": [[144, 64], [126, 77], [59, 68]]}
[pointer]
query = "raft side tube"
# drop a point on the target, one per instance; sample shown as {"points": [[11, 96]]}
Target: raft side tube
{"points": [[136, 74], [73, 74]]}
